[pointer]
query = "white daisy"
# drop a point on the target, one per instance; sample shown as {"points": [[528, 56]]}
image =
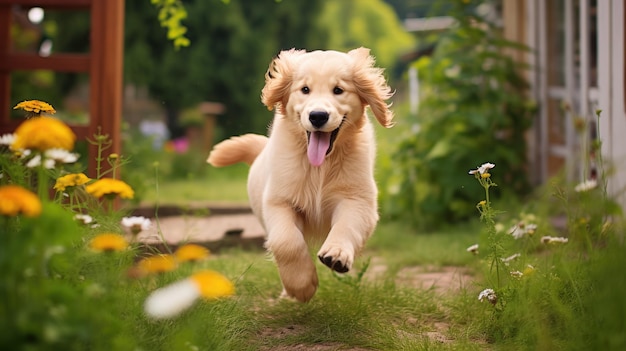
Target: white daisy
{"points": [[484, 168], [516, 274], [586, 185], [506, 260], [136, 224], [554, 239], [489, 295], [473, 249], [7, 139], [520, 229], [36, 162], [171, 300], [83, 218], [61, 156]]}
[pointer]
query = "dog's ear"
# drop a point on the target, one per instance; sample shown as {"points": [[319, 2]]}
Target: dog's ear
{"points": [[371, 86], [278, 79]]}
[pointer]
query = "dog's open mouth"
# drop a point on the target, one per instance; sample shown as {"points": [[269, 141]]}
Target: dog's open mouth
{"points": [[320, 144]]}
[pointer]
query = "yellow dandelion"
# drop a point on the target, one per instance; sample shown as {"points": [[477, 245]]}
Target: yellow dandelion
{"points": [[108, 242], [15, 200], [173, 299], [191, 252], [74, 179], [42, 134], [529, 270], [110, 186], [35, 106], [157, 264], [213, 285]]}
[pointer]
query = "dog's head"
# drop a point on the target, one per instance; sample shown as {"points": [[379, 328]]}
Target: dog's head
{"points": [[325, 91]]}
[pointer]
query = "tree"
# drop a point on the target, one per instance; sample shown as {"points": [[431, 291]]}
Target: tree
{"points": [[231, 47], [369, 23]]}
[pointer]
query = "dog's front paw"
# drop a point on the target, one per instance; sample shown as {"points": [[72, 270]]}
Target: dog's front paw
{"points": [[336, 259]]}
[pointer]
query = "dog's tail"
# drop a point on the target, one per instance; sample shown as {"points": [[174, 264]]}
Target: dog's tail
{"points": [[244, 148]]}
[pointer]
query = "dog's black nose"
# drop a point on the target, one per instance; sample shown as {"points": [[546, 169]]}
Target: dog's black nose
{"points": [[318, 118]]}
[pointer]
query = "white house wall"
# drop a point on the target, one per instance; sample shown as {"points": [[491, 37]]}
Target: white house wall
{"points": [[611, 93]]}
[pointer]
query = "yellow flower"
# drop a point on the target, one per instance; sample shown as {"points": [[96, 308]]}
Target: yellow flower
{"points": [[485, 175], [43, 133], [191, 252], [213, 285], [15, 200], [108, 242], [529, 270], [74, 179], [35, 106], [157, 264], [110, 186]]}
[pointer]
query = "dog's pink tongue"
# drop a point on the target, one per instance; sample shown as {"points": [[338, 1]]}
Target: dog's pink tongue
{"points": [[319, 142]]}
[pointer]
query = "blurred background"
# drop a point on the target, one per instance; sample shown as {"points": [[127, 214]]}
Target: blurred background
{"points": [[511, 82]]}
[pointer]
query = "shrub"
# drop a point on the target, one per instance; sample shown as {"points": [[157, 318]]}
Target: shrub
{"points": [[472, 109]]}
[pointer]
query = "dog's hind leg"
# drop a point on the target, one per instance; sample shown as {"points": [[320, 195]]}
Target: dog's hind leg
{"points": [[286, 243]]}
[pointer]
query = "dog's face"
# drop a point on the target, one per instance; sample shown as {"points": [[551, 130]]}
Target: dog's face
{"points": [[324, 92]]}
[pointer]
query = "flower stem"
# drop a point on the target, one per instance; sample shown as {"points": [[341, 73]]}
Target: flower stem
{"points": [[42, 182]]}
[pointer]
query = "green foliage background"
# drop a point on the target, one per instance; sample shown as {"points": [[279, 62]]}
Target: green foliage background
{"points": [[472, 110]]}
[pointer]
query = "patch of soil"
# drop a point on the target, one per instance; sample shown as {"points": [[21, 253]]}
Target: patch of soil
{"points": [[293, 330], [442, 280]]}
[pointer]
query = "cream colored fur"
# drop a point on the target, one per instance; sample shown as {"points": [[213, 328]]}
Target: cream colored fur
{"points": [[335, 203]]}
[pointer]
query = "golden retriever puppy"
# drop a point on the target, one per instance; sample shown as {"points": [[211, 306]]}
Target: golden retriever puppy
{"points": [[311, 181]]}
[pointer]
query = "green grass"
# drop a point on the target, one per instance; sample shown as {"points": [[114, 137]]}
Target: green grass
{"points": [[226, 184], [351, 311]]}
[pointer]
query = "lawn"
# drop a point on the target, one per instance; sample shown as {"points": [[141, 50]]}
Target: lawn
{"points": [[218, 185]]}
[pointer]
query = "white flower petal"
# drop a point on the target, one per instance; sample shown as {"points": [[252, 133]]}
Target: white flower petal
{"points": [[83, 218], [7, 139], [61, 155], [172, 299], [34, 162], [489, 295], [554, 239], [473, 249], [510, 258], [586, 185], [485, 167], [49, 164]]}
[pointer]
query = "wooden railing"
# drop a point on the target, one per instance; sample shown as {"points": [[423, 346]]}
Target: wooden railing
{"points": [[103, 64]]}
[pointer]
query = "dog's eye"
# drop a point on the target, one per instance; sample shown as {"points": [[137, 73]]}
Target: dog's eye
{"points": [[337, 91], [305, 90]]}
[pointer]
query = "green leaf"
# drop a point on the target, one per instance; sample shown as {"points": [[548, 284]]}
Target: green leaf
{"points": [[441, 149]]}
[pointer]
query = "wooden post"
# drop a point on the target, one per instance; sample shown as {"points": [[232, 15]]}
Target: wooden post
{"points": [[210, 111], [5, 73], [107, 50], [103, 64]]}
